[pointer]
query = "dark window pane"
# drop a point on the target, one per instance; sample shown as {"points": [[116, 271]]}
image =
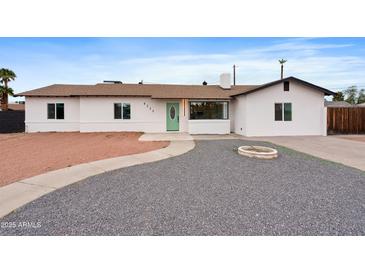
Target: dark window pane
{"points": [[208, 110], [60, 111], [118, 111], [50, 111], [172, 113], [287, 111], [278, 112], [286, 86], [127, 111]]}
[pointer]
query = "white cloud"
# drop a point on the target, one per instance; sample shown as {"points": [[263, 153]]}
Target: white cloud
{"points": [[307, 59], [255, 65]]}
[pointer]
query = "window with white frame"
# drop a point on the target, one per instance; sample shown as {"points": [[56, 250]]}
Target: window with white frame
{"points": [[56, 111], [122, 111], [208, 110], [283, 110]]}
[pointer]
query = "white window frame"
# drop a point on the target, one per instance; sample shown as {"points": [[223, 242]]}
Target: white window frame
{"points": [[55, 111], [283, 111], [121, 110], [225, 109]]}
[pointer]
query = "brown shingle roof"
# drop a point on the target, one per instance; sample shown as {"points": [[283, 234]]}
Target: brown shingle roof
{"points": [[156, 91], [159, 91]]}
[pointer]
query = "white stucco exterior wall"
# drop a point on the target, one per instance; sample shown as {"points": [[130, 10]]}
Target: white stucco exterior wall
{"points": [[97, 114], [147, 115], [36, 114], [184, 115], [209, 126], [254, 112], [93, 114], [239, 113]]}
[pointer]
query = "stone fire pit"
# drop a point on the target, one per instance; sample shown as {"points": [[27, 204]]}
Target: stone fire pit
{"points": [[258, 152]]}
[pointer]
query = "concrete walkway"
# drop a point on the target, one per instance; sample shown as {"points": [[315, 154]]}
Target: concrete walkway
{"points": [[20, 193], [336, 149], [168, 136], [208, 137], [340, 149], [184, 136]]}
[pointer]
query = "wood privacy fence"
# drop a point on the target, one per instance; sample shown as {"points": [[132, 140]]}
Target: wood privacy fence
{"points": [[346, 120]]}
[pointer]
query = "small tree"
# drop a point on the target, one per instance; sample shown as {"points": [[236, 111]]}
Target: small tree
{"points": [[351, 95], [361, 97], [6, 75], [339, 96]]}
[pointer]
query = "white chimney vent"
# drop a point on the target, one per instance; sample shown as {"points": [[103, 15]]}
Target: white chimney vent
{"points": [[225, 81]]}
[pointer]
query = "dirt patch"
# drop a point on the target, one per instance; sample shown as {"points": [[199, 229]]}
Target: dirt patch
{"points": [[26, 155]]}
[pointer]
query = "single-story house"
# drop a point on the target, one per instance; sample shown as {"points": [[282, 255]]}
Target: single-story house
{"points": [[288, 106]]}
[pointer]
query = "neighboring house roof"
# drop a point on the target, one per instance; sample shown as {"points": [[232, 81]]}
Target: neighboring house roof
{"points": [[16, 107], [158, 91], [336, 104], [361, 105]]}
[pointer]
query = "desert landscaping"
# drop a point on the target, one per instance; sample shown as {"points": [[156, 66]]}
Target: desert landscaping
{"points": [[32, 154]]}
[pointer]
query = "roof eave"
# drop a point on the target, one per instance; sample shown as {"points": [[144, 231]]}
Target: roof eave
{"points": [[325, 91], [192, 98]]}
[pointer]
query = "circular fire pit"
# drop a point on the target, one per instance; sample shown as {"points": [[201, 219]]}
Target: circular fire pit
{"points": [[258, 152]]}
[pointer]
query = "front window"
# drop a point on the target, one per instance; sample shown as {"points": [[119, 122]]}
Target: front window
{"points": [[287, 111], [122, 111], [278, 112], [56, 111], [60, 111], [118, 111], [208, 110], [51, 111], [283, 110], [126, 111]]}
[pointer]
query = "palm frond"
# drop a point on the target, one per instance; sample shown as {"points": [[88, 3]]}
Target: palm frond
{"points": [[7, 75], [8, 91]]}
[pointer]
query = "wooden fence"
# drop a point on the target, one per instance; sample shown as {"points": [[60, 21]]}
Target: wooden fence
{"points": [[346, 120]]}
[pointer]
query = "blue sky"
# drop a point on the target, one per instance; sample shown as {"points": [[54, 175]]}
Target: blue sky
{"points": [[334, 63]]}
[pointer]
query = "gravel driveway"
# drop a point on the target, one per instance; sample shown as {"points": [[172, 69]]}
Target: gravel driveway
{"points": [[210, 190]]}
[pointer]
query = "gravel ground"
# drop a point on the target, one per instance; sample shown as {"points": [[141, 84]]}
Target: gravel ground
{"points": [[32, 154], [208, 191]]}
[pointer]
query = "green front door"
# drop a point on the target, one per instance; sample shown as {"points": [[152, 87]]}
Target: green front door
{"points": [[172, 116]]}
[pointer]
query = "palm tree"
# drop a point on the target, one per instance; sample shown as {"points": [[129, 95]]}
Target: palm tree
{"points": [[6, 75], [9, 91], [282, 62]]}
